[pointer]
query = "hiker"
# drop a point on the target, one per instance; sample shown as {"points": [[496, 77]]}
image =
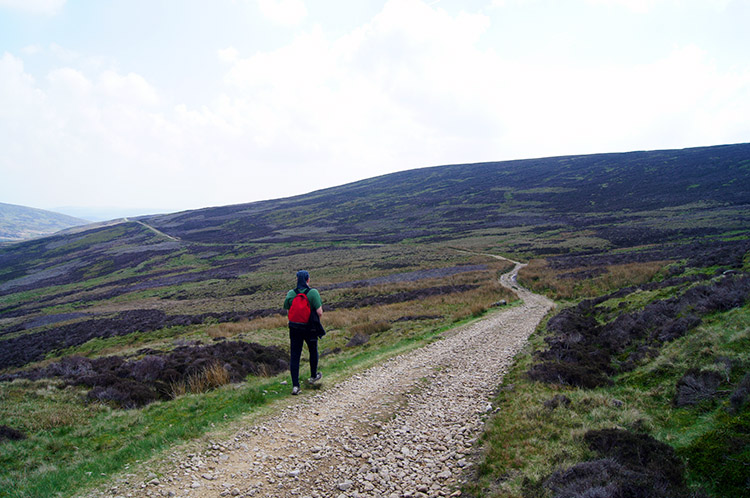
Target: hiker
{"points": [[305, 311]]}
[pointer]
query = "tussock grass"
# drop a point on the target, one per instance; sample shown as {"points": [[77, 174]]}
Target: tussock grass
{"points": [[540, 277], [370, 328], [341, 319], [211, 377], [226, 330]]}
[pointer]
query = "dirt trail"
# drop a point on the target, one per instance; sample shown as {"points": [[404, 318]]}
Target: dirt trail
{"points": [[155, 230], [404, 428]]}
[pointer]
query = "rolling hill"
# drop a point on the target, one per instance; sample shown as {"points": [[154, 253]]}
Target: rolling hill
{"points": [[600, 191], [105, 328], [197, 265], [21, 223]]}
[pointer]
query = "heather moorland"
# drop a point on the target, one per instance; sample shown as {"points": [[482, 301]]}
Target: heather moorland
{"points": [[121, 342]]}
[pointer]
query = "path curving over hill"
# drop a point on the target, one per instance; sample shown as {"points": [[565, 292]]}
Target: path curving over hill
{"points": [[403, 428]]}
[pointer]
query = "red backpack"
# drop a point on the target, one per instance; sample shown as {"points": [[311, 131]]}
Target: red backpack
{"points": [[299, 311]]}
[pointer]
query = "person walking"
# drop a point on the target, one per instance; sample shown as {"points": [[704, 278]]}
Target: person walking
{"points": [[305, 311]]}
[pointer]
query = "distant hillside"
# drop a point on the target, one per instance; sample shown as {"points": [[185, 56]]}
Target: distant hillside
{"points": [[608, 200], [226, 263], [21, 223], [105, 213], [600, 191]]}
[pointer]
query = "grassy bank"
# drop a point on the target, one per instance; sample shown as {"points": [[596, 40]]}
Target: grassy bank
{"points": [[682, 408]]}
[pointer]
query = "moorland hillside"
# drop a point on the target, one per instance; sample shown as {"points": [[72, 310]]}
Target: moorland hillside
{"points": [[104, 330], [190, 267], [21, 222], [611, 194]]}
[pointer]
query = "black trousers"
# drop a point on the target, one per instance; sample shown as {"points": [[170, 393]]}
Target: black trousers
{"points": [[298, 337]]}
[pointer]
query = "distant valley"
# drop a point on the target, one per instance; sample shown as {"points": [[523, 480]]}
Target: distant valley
{"points": [[20, 222]]}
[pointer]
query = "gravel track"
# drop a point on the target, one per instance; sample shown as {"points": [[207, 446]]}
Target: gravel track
{"points": [[405, 428]]}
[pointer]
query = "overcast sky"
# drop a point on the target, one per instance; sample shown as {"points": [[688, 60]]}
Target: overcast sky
{"points": [[178, 104]]}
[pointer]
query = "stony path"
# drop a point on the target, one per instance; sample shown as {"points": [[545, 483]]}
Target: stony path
{"points": [[404, 428]]}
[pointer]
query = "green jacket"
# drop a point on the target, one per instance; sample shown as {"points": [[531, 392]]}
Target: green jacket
{"points": [[312, 295]]}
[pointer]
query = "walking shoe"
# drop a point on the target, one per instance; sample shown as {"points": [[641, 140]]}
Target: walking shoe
{"points": [[313, 380], [295, 390]]}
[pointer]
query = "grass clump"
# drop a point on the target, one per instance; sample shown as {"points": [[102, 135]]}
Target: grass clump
{"points": [[721, 456], [210, 377], [370, 328], [585, 281]]}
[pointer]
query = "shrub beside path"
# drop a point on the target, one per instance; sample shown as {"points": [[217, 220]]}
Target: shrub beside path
{"points": [[404, 428]]}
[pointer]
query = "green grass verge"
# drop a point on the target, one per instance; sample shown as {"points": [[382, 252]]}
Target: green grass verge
{"points": [[531, 436], [76, 446]]}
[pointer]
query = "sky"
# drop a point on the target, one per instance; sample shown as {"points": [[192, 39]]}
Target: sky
{"points": [[146, 106]]}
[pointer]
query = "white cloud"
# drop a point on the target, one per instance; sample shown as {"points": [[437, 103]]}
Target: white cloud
{"points": [[283, 12], [18, 92], [645, 6], [506, 3], [228, 55], [640, 6], [32, 49], [394, 86], [63, 54], [26, 131], [678, 101], [72, 80], [92, 138], [131, 88], [44, 7], [414, 86]]}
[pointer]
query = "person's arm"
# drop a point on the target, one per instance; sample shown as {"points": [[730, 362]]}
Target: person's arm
{"points": [[288, 299], [315, 302]]}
